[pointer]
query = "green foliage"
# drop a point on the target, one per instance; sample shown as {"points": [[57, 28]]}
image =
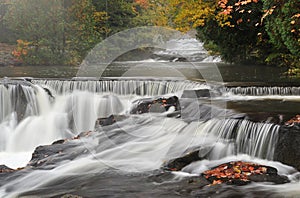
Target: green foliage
{"points": [[120, 15], [22, 19], [59, 32], [242, 31], [238, 36], [6, 36], [282, 23]]}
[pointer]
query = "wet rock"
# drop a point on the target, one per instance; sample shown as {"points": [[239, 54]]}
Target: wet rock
{"points": [[105, 121], [175, 114], [59, 142], [288, 146], [70, 196], [293, 121], [232, 191], [242, 173], [183, 186], [155, 105], [5, 169], [199, 93], [160, 177], [100, 122], [189, 185], [48, 92], [48, 155], [276, 179], [178, 163], [193, 110]]}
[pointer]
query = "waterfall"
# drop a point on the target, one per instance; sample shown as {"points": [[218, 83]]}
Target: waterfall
{"points": [[121, 87], [31, 116], [17, 98], [41, 112], [243, 137], [263, 91]]}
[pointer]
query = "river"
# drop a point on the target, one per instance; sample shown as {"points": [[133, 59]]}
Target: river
{"points": [[40, 105]]}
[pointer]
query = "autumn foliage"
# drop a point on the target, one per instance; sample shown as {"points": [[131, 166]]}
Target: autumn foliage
{"points": [[21, 50], [237, 172], [241, 31], [294, 120]]}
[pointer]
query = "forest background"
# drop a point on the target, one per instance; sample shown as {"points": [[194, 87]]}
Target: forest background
{"points": [[62, 32]]}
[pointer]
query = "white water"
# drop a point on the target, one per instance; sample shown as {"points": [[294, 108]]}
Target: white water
{"points": [[138, 144], [65, 117], [189, 48], [265, 91], [122, 87]]}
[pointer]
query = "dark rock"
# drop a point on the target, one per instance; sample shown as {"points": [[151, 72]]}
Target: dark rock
{"points": [[178, 59], [178, 163], [189, 185], [48, 155], [161, 177], [105, 121], [155, 105], [199, 93], [5, 169], [100, 122], [70, 196], [288, 146], [233, 191], [184, 186], [175, 114], [59, 142], [241, 173], [48, 92], [274, 178]]}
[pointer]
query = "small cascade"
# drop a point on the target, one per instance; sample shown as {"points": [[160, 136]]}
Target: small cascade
{"points": [[185, 49], [264, 91], [244, 137], [226, 137], [18, 98], [121, 87], [76, 105]]}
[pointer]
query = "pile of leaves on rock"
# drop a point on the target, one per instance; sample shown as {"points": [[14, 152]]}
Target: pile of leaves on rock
{"points": [[242, 173], [294, 120]]}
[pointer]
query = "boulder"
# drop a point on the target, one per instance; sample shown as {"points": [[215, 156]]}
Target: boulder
{"points": [[242, 173], [288, 146], [100, 122], [105, 121], [178, 163], [158, 105], [5, 169], [46, 156]]}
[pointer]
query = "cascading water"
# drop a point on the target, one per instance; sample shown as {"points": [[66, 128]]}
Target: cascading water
{"points": [[264, 91], [122, 87], [243, 136], [38, 112], [73, 110]]}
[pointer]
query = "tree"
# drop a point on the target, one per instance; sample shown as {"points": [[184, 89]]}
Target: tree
{"points": [[84, 27], [41, 23], [282, 23], [6, 35], [58, 31], [120, 15]]}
